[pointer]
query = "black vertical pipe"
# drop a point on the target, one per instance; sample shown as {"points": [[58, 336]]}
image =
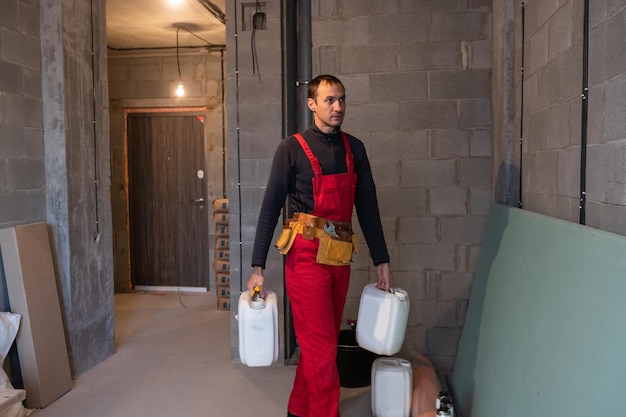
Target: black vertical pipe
{"points": [[521, 119], [585, 113], [298, 22]]}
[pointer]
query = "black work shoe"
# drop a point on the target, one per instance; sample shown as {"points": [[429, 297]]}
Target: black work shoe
{"points": [[290, 415]]}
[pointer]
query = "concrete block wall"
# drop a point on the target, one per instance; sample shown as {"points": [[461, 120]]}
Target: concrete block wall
{"points": [[553, 112], [552, 109], [76, 135], [606, 167], [148, 79], [418, 81], [22, 167], [254, 130], [47, 164], [406, 65], [22, 175]]}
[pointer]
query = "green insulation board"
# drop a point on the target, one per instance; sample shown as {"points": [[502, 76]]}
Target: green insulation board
{"points": [[545, 331]]}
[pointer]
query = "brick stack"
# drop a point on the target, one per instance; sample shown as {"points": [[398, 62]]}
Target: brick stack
{"points": [[221, 265]]}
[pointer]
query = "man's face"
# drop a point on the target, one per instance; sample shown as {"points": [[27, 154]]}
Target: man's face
{"points": [[328, 107]]}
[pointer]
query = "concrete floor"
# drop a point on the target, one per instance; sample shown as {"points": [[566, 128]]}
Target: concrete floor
{"points": [[173, 359]]}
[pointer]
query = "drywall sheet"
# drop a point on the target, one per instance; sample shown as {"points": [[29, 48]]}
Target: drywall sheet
{"points": [[544, 333], [32, 289]]}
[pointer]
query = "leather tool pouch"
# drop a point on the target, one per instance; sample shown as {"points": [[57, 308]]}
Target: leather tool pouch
{"points": [[335, 251], [283, 239], [287, 236]]}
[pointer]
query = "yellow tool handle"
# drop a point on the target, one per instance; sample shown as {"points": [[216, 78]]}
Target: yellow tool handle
{"points": [[254, 292]]}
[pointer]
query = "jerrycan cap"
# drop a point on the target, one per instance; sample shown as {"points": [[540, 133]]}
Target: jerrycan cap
{"points": [[258, 303], [400, 293], [405, 363]]}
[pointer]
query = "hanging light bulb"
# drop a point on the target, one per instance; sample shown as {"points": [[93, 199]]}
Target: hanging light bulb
{"points": [[180, 90]]}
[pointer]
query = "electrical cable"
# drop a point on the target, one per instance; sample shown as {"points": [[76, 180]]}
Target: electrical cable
{"points": [[96, 235], [255, 60], [224, 194], [238, 128], [521, 124], [210, 48], [180, 90], [585, 114], [199, 37], [177, 56]]}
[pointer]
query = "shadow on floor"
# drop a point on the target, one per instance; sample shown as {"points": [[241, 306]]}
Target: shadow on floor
{"points": [[173, 358]]}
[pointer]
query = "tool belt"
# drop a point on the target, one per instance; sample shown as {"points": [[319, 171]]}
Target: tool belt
{"points": [[337, 242]]}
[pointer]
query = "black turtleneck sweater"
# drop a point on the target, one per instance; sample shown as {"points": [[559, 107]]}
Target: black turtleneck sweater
{"points": [[291, 175]]}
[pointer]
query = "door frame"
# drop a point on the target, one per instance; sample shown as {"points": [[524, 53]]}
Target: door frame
{"points": [[128, 111]]}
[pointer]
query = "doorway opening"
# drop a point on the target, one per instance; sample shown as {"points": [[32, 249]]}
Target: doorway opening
{"points": [[166, 178]]}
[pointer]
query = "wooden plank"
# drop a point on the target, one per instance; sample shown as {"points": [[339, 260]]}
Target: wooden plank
{"points": [[32, 289], [543, 333]]}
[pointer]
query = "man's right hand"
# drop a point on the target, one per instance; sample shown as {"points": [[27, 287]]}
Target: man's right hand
{"points": [[257, 278]]}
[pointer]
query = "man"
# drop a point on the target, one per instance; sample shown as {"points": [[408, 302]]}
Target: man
{"points": [[325, 173]]}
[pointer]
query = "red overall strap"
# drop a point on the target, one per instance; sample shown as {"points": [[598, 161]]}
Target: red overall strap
{"points": [[349, 156], [315, 163]]}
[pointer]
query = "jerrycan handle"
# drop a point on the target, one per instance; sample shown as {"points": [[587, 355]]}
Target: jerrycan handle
{"points": [[256, 302], [398, 292]]}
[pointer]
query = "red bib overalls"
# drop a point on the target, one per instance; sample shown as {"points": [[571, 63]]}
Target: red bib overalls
{"points": [[318, 293]]}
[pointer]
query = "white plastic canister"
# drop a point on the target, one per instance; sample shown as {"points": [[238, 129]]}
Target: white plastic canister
{"points": [[392, 385], [382, 319], [258, 329]]}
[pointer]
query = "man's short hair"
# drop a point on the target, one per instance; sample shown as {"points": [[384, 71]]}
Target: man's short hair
{"points": [[315, 83]]}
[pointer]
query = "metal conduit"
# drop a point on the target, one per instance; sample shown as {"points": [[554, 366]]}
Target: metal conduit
{"points": [[237, 124], [223, 93], [585, 113], [94, 86], [521, 125]]}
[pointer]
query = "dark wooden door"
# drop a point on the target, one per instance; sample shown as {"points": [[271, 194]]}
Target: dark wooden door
{"points": [[168, 215]]}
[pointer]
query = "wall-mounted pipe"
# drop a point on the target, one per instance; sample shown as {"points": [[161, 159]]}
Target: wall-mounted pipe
{"points": [[585, 113], [297, 46]]}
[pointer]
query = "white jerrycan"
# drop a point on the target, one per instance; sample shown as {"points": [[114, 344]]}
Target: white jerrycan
{"points": [[392, 387], [258, 329], [382, 320]]}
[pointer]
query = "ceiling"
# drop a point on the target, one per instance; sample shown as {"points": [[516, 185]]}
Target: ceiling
{"points": [[152, 24]]}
